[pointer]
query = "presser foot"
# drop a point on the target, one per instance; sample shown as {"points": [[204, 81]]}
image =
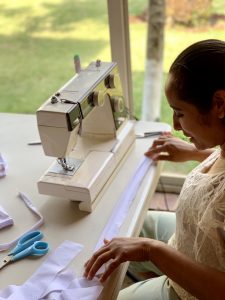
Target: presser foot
{"points": [[68, 167]]}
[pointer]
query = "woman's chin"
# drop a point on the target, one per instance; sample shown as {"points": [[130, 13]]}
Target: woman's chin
{"points": [[200, 147], [197, 145]]}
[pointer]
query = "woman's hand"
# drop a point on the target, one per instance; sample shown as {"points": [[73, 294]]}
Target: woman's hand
{"points": [[171, 148], [115, 252]]}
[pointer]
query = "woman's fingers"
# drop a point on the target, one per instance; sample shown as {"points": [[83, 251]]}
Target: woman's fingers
{"points": [[111, 266], [106, 241], [167, 133], [159, 141], [160, 144], [109, 255], [95, 263], [90, 262], [153, 151]]}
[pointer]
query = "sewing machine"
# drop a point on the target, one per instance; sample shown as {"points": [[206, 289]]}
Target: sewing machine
{"points": [[85, 126]]}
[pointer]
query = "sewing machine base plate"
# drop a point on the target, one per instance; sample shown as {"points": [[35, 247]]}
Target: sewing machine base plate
{"points": [[58, 169]]}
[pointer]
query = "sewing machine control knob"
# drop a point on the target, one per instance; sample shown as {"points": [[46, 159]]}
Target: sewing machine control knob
{"points": [[113, 81], [98, 98], [118, 104]]}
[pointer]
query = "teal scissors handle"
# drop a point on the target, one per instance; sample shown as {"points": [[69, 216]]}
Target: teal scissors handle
{"points": [[37, 249], [26, 240]]}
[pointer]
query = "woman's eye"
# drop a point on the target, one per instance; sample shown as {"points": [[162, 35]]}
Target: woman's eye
{"points": [[178, 114]]}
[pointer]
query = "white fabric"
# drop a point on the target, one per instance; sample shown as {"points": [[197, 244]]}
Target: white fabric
{"points": [[60, 282], [30, 205], [200, 228], [123, 205], [51, 281], [5, 219], [3, 166], [77, 288]]}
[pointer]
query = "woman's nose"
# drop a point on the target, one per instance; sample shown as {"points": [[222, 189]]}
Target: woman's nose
{"points": [[176, 123]]}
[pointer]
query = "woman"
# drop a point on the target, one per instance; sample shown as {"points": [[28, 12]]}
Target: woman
{"points": [[193, 261]]}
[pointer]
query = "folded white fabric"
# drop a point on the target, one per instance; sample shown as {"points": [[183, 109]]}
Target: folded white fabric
{"points": [[124, 203], [5, 219], [37, 284], [3, 166], [53, 281], [67, 286]]}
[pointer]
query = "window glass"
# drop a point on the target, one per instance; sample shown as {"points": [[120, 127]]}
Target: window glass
{"points": [[38, 40]]}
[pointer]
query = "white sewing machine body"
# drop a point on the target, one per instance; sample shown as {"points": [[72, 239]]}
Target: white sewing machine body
{"points": [[84, 125]]}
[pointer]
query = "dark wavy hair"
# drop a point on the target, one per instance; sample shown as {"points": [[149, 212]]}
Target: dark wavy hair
{"points": [[198, 72]]}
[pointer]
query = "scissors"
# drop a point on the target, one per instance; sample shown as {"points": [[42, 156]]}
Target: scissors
{"points": [[28, 244]]}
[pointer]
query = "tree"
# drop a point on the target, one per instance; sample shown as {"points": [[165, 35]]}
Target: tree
{"points": [[154, 61]]}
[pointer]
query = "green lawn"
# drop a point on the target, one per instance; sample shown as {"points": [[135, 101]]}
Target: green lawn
{"points": [[38, 40]]}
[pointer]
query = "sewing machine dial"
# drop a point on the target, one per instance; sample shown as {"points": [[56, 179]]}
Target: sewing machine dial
{"points": [[113, 82], [117, 104], [98, 98]]}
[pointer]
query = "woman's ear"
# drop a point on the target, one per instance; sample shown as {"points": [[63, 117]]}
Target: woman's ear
{"points": [[219, 103]]}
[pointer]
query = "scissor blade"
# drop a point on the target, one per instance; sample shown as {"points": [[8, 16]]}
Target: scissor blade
{"points": [[5, 261], [148, 134]]}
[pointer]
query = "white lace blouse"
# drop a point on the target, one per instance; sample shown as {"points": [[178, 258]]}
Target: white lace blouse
{"points": [[200, 217]]}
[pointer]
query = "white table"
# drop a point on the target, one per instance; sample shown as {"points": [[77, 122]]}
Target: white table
{"points": [[63, 220]]}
